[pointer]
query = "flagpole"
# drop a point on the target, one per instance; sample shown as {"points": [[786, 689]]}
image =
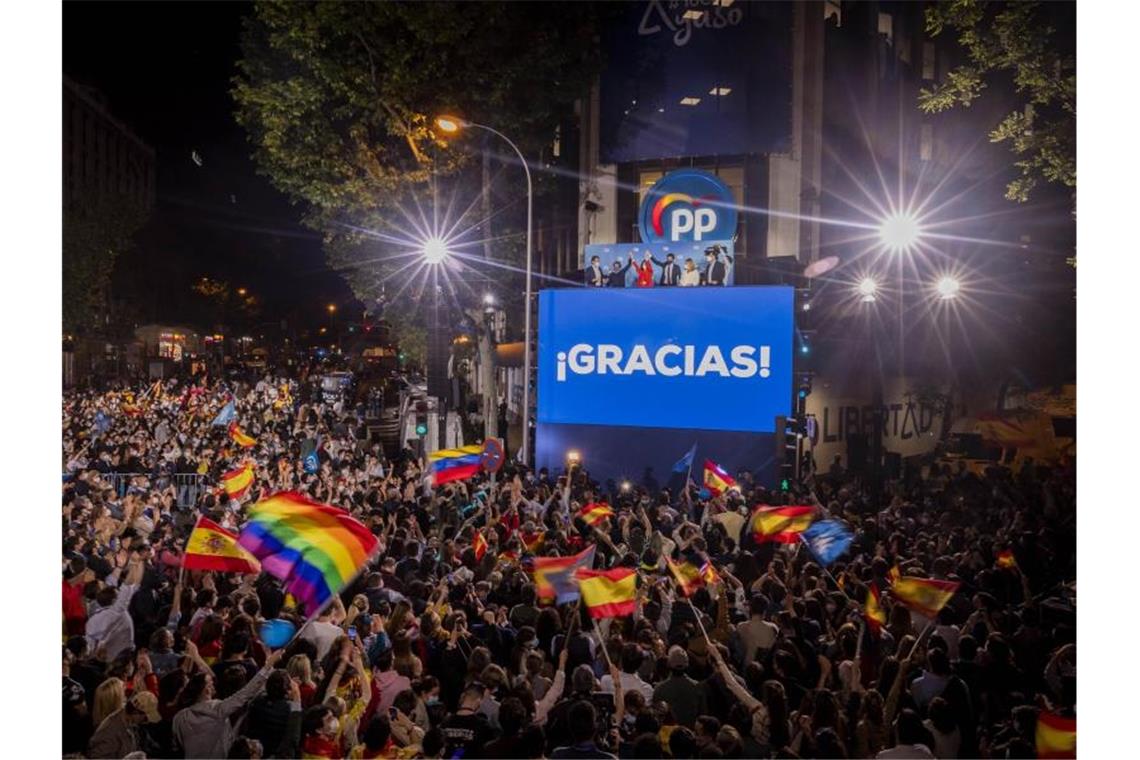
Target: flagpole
{"points": [[601, 641], [829, 575]]}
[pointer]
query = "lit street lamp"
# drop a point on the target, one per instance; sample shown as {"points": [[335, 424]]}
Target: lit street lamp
{"points": [[948, 287], [899, 232], [452, 124], [867, 288]]}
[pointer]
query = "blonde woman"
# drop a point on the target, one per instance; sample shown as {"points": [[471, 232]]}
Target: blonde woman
{"points": [[301, 670], [109, 697]]}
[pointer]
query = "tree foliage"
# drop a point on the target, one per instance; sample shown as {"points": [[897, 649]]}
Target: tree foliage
{"points": [[338, 101], [1018, 40], [94, 235]]}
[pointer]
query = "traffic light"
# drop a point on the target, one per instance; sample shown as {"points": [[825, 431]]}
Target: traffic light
{"points": [[421, 418], [787, 449], [802, 396]]}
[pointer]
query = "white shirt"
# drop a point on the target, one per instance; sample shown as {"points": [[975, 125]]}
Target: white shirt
{"points": [[690, 278], [906, 752], [322, 635], [629, 682], [113, 626]]}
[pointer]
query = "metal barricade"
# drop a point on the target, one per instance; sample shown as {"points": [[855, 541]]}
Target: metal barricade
{"points": [[188, 486]]}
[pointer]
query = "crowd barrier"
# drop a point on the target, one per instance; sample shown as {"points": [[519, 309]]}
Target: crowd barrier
{"points": [[187, 486]]}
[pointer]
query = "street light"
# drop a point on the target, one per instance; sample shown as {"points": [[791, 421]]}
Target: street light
{"points": [[332, 308], [451, 125], [948, 287], [488, 299], [435, 250], [241, 291], [867, 288], [899, 232]]}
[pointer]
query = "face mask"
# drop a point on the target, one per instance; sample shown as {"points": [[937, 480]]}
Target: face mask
{"points": [[531, 644], [431, 701]]}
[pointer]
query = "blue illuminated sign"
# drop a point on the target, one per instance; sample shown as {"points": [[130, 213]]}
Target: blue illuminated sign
{"points": [[688, 205], [696, 358]]}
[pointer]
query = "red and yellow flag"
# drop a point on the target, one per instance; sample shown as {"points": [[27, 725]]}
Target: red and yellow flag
{"points": [[716, 479], [924, 596], [1056, 735], [239, 437], [893, 575], [532, 542], [608, 593], [237, 482], [211, 547], [873, 610], [479, 544], [687, 575], [781, 524], [593, 514], [1005, 559], [709, 574]]}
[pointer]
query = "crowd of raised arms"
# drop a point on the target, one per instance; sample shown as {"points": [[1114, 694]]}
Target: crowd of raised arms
{"points": [[431, 652]]}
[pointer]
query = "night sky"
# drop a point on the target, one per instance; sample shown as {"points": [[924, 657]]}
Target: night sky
{"points": [[165, 70]]}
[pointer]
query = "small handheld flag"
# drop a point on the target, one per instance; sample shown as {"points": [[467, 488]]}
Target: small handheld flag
{"points": [[828, 540], [237, 482], [924, 596], [532, 542], [781, 524], [1005, 560], [685, 463], [873, 610], [716, 479], [311, 462], [687, 575], [239, 437], [554, 576], [211, 547], [592, 514], [608, 593], [479, 544], [225, 416], [1056, 736]]}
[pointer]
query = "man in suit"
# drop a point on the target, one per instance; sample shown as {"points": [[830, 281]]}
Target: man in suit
{"points": [[670, 272], [716, 271], [595, 275], [616, 276]]}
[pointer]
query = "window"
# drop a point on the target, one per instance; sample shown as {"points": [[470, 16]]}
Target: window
{"points": [[886, 27], [926, 146], [928, 61]]}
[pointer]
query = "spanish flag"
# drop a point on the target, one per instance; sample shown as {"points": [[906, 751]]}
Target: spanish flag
{"points": [[237, 482], [479, 544], [924, 596], [608, 593], [893, 575], [592, 514], [1056, 736], [781, 524], [532, 542], [873, 610], [554, 576], [1005, 559], [709, 574], [239, 437], [716, 479], [687, 575], [211, 547]]}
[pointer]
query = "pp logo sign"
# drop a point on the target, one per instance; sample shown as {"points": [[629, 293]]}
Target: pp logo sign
{"points": [[688, 205]]}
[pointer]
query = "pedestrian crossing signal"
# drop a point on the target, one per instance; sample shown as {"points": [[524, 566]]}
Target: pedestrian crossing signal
{"points": [[785, 484]]}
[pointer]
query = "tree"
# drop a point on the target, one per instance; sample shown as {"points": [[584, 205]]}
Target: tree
{"points": [[94, 235], [1017, 40], [338, 99]]}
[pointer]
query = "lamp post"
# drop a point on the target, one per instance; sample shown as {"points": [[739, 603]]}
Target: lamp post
{"points": [[453, 124]]}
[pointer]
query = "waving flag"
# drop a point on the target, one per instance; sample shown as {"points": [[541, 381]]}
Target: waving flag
{"points": [[924, 596], [716, 479], [828, 540], [685, 463], [532, 542], [479, 544], [781, 524], [447, 465], [237, 482], [1005, 560], [316, 549], [1056, 735], [592, 514], [239, 437], [687, 575], [608, 593], [554, 576], [225, 416], [873, 610], [211, 547], [311, 462]]}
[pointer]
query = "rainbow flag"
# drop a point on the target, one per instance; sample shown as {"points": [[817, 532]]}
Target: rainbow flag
{"points": [[924, 596], [781, 524], [608, 593], [716, 479], [211, 547], [554, 576], [1056, 735], [592, 514], [239, 437], [237, 482], [447, 465], [1005, 559], [873, 610], [687, 575], [314, 548], [479, 544]]}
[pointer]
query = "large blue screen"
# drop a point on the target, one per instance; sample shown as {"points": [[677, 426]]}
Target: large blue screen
{"points": [[696, 358]]}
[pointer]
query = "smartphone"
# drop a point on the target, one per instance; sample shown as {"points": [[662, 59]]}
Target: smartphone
{"points": [[352, 633]]}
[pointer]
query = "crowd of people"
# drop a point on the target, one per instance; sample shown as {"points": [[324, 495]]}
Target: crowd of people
{"points": [[433, 652]]}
